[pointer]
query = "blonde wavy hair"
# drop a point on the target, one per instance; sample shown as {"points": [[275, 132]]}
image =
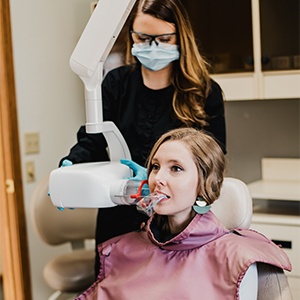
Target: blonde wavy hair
{"points": [[190, 75]]}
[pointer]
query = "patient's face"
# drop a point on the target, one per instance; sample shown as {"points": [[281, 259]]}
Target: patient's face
{"points": [[174, 173]]}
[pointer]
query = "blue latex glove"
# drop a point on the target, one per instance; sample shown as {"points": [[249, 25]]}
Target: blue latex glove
{"points": [[65, 163], [140, 173]]}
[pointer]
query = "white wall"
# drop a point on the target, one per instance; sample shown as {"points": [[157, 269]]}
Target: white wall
{"points": [[49, 97], [257, 129]]}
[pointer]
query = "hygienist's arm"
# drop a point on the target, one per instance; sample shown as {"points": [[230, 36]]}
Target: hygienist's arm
{"points": [[89, 148], [249, 284]]}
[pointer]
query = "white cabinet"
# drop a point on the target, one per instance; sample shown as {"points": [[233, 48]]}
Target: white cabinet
{"points": [[276, 210], [260, 85], [253, 46]]}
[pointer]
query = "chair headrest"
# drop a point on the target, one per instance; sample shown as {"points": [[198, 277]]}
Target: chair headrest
{"points": [[234, 206]]}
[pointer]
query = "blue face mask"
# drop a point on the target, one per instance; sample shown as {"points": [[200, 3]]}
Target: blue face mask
{"points": [[155, 57]]}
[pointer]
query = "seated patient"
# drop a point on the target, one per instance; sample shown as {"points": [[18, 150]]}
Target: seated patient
{"points": [[184, 251]]}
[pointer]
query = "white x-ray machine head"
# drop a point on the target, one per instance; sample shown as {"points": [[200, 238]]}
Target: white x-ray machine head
{"points": [[95, 184]]}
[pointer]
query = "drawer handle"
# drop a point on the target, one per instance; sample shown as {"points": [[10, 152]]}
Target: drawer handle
{"points": [[283, 244]]}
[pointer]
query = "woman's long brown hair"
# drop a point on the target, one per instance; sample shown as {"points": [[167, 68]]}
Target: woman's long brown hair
{"points": [[190, 75]]}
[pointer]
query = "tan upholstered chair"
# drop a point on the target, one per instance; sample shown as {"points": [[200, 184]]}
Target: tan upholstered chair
{"points": [[71, 272]]}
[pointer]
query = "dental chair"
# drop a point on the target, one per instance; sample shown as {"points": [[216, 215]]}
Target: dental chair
{"points": [[74, 271], [234, 210]]}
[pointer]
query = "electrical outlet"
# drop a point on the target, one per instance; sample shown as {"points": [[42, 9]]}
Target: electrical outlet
{"points": [[30, 171], [32, 143]]}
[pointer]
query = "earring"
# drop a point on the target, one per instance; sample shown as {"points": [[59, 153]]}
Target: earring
{"points": [[201, 206]]}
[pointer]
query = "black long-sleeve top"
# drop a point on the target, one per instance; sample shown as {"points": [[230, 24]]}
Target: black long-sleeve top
{"points": [[142, 115]]}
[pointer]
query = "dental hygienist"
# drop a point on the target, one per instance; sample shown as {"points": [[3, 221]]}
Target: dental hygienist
{"points": [[165, 85]]}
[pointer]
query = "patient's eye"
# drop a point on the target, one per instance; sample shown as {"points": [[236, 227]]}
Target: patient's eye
{"points": [[154, 167], [176, 168]]}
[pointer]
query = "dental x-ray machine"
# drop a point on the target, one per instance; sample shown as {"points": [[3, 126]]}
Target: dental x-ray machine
{"points": [[96, 184]]}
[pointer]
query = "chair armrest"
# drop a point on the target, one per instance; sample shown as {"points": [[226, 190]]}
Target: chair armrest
{"points": [[272, 283]]}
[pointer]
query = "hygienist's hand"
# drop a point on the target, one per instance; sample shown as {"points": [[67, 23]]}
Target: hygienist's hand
{"points": [[140, 173], [66, 163]]}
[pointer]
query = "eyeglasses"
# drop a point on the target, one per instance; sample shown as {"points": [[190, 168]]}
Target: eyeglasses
{"points": [[166, 38]]}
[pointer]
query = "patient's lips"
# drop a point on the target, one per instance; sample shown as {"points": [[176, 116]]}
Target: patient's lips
{"points": [[147, 203]]}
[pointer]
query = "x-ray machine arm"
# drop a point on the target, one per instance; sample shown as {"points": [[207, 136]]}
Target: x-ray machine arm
{"points": [[87, 62]]}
